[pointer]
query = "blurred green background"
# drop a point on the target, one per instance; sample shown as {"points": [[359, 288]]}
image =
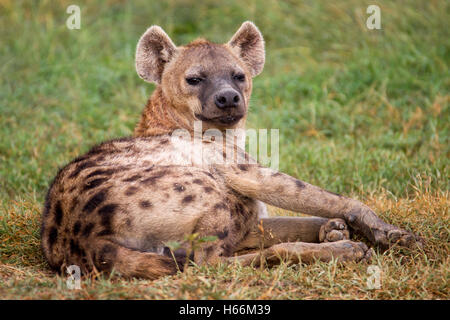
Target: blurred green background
{"points": [[359, 111]]}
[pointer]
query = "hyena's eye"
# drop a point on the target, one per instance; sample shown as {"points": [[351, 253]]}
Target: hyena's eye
{"points": [[194, 81], [239, 77]]}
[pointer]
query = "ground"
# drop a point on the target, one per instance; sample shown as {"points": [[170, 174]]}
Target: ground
{"points": [[361, 112]]}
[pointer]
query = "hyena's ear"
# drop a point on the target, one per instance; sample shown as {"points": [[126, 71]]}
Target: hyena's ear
{"points": [[248, 43], [153, 51]]}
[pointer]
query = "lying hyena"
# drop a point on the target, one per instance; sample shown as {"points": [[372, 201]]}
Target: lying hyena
{"points": [[118, 206]]}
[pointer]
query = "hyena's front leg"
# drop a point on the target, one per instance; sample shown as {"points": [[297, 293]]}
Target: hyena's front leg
{"points": [[286, 192]]}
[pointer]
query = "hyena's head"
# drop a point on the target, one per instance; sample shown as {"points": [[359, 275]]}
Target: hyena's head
{"points": [[203, 80]]}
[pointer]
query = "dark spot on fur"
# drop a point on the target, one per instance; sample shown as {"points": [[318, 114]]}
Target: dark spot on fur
{"points": [[221, 205], [105, 232], [151, 180], [178, 187], [237, 225], [52, 237], [76, 228], [75, 248], [72, 189], [276, 174], [243, 167], [131, 190], [149, 169], [239, 209], [300, 184], [198, 181], [209, 174], [81, 167], [58, 213], [164, 141], [94, 183], [128, 222], [101, 172], [108, 209], [208, 189], [87, 230], [106, 213], [145, 204], [94, 201], [133, 178], [188, 199], [222, 234]]}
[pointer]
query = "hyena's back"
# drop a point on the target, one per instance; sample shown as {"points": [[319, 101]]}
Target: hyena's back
{"points": [[122, 201]]}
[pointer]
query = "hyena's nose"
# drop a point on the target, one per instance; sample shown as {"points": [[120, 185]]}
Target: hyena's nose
{"points": [[227, 99]]}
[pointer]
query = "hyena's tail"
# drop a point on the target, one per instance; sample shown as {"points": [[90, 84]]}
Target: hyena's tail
{"points": [[108, 256]]}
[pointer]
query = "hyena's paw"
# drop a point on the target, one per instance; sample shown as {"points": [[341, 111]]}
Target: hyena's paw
{"points": [[347, 250], [392, 235], [381, 233], [334, 230]]}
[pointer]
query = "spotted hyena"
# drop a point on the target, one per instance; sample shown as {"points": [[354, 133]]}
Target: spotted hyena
{"points": [[119, 205]]}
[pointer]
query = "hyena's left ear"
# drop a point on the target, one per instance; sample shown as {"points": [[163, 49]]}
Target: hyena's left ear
{"points": [[153, 51], [248, 43]]}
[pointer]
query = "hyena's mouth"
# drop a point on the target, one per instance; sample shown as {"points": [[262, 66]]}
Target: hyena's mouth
{"points": [[228, 119]]}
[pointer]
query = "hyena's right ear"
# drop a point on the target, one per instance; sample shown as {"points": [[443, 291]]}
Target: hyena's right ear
{"points": [[153, 51]]}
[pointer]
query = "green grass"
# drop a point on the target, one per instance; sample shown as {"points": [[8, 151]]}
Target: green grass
{"points": [[360, 112]]}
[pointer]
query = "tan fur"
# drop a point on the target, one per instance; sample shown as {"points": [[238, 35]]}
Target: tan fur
{"points": [[120, 205]]}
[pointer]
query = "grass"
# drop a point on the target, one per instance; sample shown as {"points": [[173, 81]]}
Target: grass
{"points": [[360, 112]]}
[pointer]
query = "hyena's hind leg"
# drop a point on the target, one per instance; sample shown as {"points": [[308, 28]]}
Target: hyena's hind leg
{"points": [[108, 256], [301, 252]]}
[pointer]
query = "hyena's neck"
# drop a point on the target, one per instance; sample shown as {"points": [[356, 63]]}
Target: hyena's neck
{"points": [[159, 117]]}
